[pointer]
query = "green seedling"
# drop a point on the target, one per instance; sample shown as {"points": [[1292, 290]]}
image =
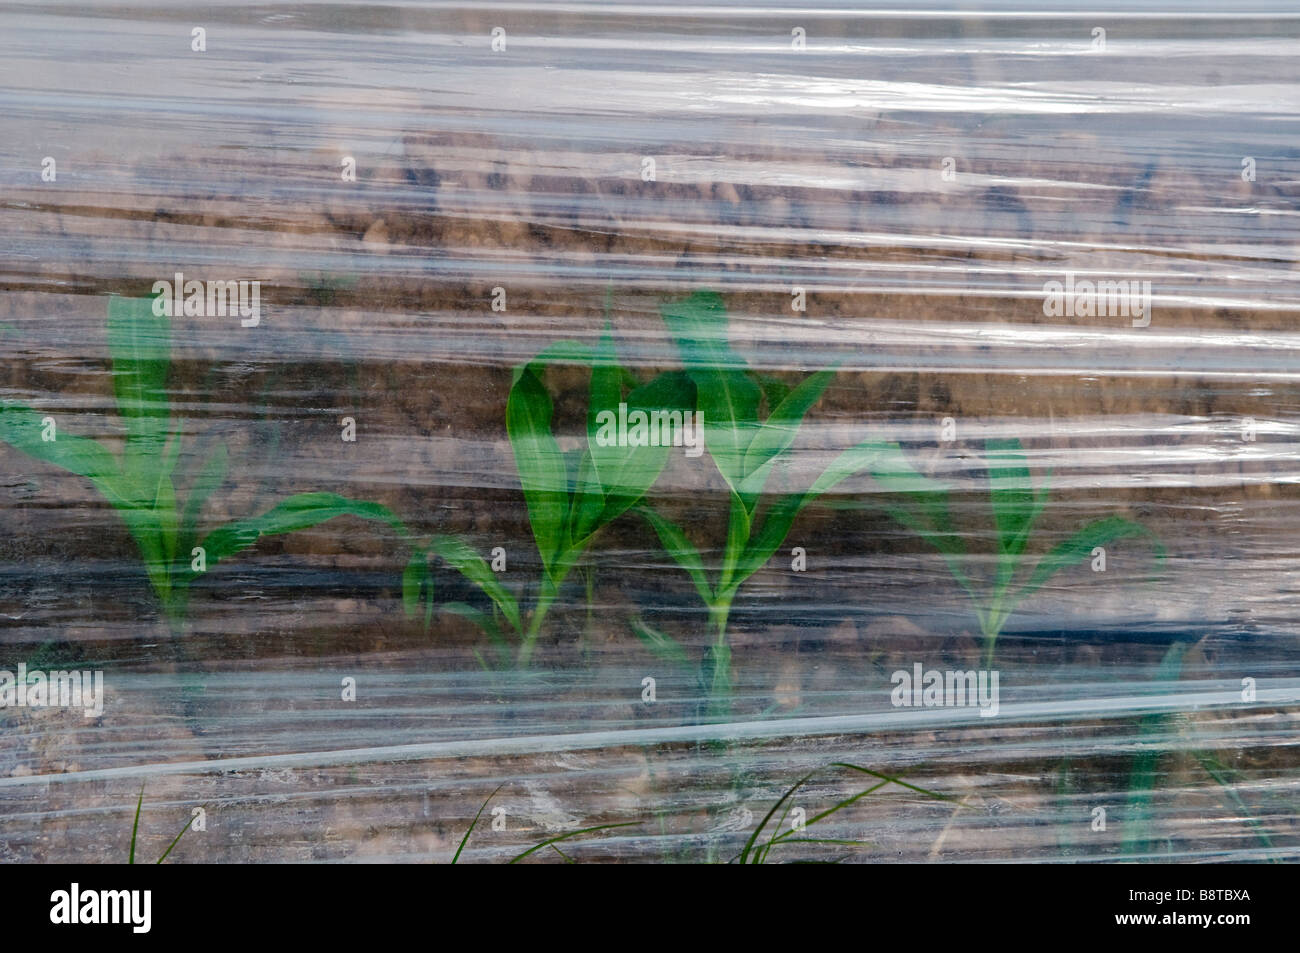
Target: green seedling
{"points": [[921, 504], [135, 830], [757, 850], [1144, 774], [139, 482], [746, 451], [549, 842], [570, 497]]}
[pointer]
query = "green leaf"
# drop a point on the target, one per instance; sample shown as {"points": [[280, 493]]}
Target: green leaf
{"points": [[1075, 549], [725, 394], [779, 518], [739, 528], [135, 827], [462, 557], [456, 857], [629, 473], [1011, 493], [777, 433], [588, 500], [660, 645], [176, 840], [1080, 546], [417, 584], [922, 502], [543, 473], [139, 342], [604, 395], [297, 512], [1014, 502], [677, 546], [555, 840], [211, 475], [788, 836], [21, 428]]}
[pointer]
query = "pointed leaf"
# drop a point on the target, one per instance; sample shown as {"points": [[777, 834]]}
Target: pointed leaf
{"points": [[543, 472], [660, 645], [21, 428], [462, 557], [1080, 546], [298, 512], [778, 519], [210, 477], [677, 546], [416, 583], [604, 396], [725, 394], [139, 342], [666, 402], [777, 433], [588, 501], [918, 502]]}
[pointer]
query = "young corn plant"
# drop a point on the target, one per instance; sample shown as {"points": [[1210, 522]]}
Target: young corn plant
{"points": [[570, 496], [139, 481], [921, 504], [1139, 840], [746, 451]]}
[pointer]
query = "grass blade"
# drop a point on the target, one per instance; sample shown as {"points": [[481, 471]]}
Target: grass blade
{"points": [[177, 839], [555, 840], [135, 828], [456, 857]]}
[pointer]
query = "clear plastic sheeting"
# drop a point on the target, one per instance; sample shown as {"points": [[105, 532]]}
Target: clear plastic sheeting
{"points": [[586, 423]]}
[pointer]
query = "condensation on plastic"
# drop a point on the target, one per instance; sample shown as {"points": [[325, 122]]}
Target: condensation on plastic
{"points": [[775, 168]]}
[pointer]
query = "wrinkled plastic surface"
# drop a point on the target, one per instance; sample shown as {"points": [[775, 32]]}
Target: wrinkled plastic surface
{"points": [[914, 178]]}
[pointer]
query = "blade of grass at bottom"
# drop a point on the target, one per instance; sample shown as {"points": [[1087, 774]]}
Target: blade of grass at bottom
{"points": [[135, 828], [1223, 775], [177, 839], [482, 807], [758, 855], [555, 840], [1142, 776]]}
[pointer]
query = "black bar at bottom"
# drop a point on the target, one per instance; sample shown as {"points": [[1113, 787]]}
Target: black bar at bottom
{"points": [[362, 903]]}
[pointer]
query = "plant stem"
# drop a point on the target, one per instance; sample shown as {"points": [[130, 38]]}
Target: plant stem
{"points": [[545, 599], [990, 639], [720, 678]]}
